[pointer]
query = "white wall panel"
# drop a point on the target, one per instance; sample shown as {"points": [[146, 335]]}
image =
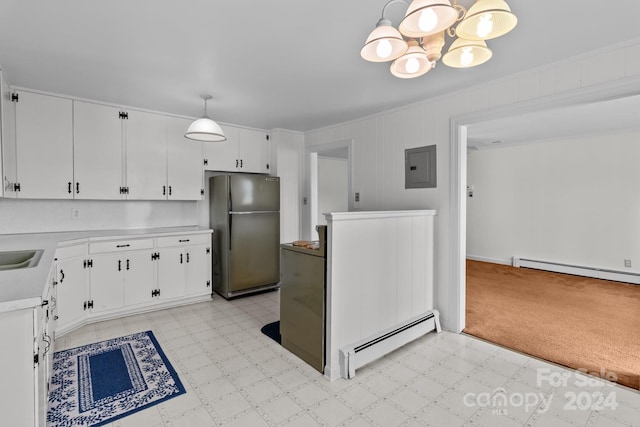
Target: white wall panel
{"points": [[504, 92], [572, 201], [528, 86], [568, 76], [632, 61], [602, 68], [37, 216]]}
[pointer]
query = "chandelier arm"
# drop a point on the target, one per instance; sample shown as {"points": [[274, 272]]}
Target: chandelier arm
{"points": [[390, 2], [461, 11]]}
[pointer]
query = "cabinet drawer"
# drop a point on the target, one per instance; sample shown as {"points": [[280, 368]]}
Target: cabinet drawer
{"points": [[190, 239], [72, 251], [120, 246]]}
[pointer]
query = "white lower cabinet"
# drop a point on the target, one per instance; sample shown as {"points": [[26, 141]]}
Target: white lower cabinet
{"points": [[107, 279], [26, 362], [184, 266], [71, 282], [121, 272]]}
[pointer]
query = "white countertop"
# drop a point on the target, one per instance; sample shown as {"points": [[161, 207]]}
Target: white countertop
{"points": [[23, 288]]}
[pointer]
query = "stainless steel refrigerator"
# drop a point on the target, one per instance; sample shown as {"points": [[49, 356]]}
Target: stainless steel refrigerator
{"points": [[245, 216]]}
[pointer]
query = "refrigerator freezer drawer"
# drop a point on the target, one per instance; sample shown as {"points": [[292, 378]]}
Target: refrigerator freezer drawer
{"points": [[254, 243]]}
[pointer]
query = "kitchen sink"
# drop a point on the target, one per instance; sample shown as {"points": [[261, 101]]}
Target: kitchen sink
{"points": [[13, 260]]}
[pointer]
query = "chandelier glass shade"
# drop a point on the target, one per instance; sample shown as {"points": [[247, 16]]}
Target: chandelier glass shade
{"points": [[413, 63], [417, 44], [205, 129]]}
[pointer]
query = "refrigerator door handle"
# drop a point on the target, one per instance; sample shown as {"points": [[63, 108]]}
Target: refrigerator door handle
{"points": [[252, 212], [230, 230]]}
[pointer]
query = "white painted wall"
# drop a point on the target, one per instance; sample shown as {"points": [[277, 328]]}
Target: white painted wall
{"points": [[34, 216], [333, 186], [287, 150], [379, 142], [573, 201]]}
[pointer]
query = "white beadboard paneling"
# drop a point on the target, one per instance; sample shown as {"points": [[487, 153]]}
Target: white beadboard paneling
{"points": [[632, 61], [370, 286], [548, 81], [503, 93], [602, 68], [528, 87], [480, 98], [568, 76]]}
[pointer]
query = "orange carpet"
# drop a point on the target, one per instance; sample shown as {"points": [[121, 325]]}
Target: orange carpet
{"points": [[582, 323]]}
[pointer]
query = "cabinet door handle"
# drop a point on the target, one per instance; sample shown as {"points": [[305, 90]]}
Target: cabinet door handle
{"points": [[180, 258], [240, 162], [127, 264], [183, 240], [119, 265], [69, 186], [237, 162], [187, 257], [61, 276], [169, 190], [77, 187], [123, 246], [164, 190]]}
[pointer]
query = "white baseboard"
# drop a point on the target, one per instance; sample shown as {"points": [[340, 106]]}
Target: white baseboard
{"points": [[506, 261], [577, 270]]}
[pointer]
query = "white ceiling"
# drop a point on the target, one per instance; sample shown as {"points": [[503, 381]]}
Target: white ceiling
{"points": [[268, 64], [615, 115]]}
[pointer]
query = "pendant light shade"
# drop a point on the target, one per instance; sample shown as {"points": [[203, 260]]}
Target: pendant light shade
{"points": [[426, 17], [487, 19], [384, 43], [205, 129], [412, 64], [467, 53]]}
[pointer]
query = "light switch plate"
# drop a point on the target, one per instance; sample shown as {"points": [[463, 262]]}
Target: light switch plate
{"points": [[357, 199]]}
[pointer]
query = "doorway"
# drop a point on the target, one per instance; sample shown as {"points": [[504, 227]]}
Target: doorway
{"points": [[329, 169], [458, 165]]}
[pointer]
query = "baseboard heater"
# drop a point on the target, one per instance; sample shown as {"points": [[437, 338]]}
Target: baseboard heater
{"points": [[359, 354], [597, 273]]}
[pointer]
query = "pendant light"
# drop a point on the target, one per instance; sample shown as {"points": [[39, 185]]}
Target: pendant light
{"points": [[205, 129]]}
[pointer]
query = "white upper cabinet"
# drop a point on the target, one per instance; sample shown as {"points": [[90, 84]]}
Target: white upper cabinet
{"points": [[253, 151], [245, 150], [8, 136], [146, 155], [185, 175], [44, 141], [97, 133], [223, 155]]}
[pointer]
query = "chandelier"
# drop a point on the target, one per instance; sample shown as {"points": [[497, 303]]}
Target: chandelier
{"points": [[417, 44]]}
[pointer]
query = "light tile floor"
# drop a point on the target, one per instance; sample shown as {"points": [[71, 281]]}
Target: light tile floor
{"points": [[236, 376]]}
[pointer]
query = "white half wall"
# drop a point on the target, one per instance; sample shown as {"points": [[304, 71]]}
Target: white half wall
{"points": [[379, 275], [572, 201]]}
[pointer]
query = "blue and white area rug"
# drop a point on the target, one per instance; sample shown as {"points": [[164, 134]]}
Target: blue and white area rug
{"points": [[99, 383]]}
